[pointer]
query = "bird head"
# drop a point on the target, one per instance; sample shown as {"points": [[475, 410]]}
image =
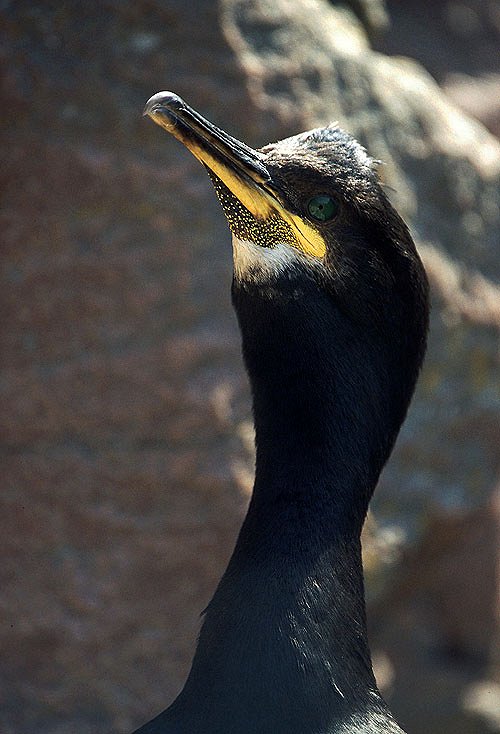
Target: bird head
{"points": [[327, 280], [311, 202]]}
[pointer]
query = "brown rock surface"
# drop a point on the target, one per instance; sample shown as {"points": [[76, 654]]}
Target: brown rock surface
{"points": [[457, 41], [440, 624], [124, 409]]}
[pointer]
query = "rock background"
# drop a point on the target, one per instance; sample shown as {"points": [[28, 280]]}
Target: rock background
{"points": [[125, 426]]}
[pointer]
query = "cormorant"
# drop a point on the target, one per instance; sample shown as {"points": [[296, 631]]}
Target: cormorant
{"points": [[332, 303]]}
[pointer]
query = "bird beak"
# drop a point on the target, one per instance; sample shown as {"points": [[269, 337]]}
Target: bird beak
{"points": [[237, 165], [240, 168]]}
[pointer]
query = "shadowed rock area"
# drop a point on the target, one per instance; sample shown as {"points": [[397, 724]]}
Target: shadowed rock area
{"points": [[126, 436]]}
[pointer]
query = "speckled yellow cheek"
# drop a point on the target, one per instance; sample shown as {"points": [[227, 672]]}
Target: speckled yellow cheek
{"points": [[278, 225], [271, 220]]}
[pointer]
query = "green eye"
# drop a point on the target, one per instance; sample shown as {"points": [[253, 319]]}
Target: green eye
{"points": [[322, 207]]}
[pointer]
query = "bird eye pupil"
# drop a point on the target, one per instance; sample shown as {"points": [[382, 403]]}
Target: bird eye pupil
{"points": [[322, 208]]}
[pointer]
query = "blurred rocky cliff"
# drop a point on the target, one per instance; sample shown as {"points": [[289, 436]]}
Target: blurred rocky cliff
{"points": [[126, 439]]}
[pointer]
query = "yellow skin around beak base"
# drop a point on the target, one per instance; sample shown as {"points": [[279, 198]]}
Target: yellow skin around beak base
{"points": [[247, 188]]}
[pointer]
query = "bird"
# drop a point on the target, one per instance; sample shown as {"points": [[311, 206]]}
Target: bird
{"points": [[332, 303]]}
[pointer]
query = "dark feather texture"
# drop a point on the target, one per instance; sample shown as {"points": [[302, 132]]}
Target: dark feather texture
{"points": [[333, 351]]}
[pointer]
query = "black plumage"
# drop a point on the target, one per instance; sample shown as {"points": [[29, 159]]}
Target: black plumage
{"points": [[331, 299]]}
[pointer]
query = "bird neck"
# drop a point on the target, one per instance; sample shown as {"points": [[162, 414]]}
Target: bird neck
{"points": [[283, 646], [328, 402]]}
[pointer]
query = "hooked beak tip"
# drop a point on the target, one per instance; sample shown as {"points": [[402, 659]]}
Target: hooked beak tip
{"points": [[165, 100]]}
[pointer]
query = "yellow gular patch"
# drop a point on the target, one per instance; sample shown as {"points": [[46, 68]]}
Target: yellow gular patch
{"points": [[262, 205], [267, 212]]}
